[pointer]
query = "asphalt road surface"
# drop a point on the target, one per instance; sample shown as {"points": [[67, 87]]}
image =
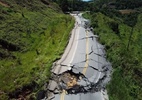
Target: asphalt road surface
{"points": [[83, 71]]}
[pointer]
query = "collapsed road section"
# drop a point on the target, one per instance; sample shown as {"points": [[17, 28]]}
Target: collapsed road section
{"points": [[83, 71]]}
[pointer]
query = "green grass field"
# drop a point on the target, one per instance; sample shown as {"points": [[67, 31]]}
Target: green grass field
{"points": [[40, 35]]}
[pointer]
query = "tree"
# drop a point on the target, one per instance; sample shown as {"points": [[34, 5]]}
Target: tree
{"points": [[64, 5], [131, 21], [72, 5]]}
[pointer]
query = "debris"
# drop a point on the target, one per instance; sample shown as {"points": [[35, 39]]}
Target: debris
{"points": [[52, 85], [50, 95]]}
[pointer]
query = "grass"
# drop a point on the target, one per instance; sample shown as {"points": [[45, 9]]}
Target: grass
{"points": [[126, 82], [41, 35]]}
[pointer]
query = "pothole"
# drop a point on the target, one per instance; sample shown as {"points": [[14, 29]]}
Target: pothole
{"points": [[69, 79]]}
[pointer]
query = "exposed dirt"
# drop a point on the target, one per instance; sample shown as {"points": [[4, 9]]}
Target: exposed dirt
{"points": [[69, 79], [127, 11], [22, 93], [9, 46], [4, 4]]}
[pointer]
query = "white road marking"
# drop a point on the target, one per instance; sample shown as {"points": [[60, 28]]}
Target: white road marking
{"points": [[73, 55]]}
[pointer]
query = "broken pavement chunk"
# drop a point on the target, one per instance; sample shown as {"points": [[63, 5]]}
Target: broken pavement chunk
{"points": [[56, 91], [52, 85], [62, 86], [83, 82], [75, 70], [59, 69], [50, 95]]}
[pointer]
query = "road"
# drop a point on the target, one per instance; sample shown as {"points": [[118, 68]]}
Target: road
{"points": [[83, 71]]}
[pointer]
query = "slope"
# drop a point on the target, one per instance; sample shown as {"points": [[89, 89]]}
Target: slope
{"points": [[123, 44], [33, 34]]}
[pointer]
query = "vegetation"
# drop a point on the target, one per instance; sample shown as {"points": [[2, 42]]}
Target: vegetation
{"points": [[119, 4], [122, 36], [72, 5], [33, 34]]}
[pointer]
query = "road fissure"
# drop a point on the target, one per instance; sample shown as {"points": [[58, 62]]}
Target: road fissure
{"points": [[87, 56], [79, 69]]}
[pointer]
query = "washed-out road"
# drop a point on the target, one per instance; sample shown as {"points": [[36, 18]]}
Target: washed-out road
{"points": [[83, 71]]}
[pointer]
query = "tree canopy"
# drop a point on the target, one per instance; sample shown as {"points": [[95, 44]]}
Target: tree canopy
{"points": [[72, 5]]}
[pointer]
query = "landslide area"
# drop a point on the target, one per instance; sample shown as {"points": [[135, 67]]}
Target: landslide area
{"points": [[33, 34]]}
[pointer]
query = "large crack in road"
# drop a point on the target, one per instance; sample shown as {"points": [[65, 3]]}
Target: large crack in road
{"points": [[83, 71]]}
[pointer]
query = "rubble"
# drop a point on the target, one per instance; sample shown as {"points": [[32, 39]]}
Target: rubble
{"points": [[75, 82], [52, 85]]}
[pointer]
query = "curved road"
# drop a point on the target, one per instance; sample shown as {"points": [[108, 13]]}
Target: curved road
{"points": [[83, 56]]}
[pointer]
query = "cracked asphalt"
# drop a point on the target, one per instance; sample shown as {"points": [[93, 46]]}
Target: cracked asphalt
{"points": [[83, 71]]}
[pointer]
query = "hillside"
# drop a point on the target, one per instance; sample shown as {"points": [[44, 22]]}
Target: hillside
{"points": [[122, 37], [33, 34]]}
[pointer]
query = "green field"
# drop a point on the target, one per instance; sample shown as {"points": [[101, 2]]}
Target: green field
{"points": [[123, 51], [33, 34]]}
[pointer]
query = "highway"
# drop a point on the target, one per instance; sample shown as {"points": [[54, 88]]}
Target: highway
{"points": [[83, 71]]}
